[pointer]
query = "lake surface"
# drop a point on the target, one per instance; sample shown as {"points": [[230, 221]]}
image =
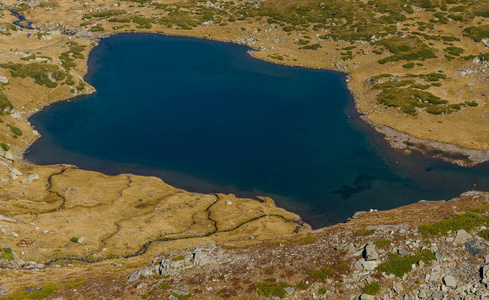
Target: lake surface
{"points": [[207, 117]]}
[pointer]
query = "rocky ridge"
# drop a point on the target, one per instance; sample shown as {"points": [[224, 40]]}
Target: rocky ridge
{"points": [[405, 259]]}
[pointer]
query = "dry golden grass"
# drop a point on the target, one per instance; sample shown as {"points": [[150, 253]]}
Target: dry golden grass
{"points": [[117, 215]]}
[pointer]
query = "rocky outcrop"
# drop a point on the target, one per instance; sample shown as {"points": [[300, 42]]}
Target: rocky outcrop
{"points": [[178, 261]]}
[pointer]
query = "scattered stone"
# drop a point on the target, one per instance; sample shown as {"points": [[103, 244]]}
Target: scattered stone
{"points": [[289, 290], [29, 179], [403, 252], [474, 247], [369, 253], [7, 154], [364, 265], [424, 292], [2, 78], [141, 285], [485, 274], [202, 258], [14, 173], [3, 29], [144, 272], [117, 265], [397, 287], [228, 202], [3, 291], [33, 266], [366, 297], [450, 281], [462, 237], [438, 256]]}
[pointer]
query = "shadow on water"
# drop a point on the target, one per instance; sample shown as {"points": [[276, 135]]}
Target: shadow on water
{"points": [[206, 117]]}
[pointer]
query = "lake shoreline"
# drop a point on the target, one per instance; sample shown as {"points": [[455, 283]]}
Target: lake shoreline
{"points": [[396, 139], [372, 128]]}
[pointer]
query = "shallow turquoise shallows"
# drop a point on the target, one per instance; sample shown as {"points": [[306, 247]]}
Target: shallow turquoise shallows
{"points": [[207, 117]]}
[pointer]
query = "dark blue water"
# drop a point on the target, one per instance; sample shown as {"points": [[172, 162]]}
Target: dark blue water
{"points": [[207, 117]]}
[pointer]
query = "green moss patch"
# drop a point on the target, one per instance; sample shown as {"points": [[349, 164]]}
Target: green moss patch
{"points": [[466, 221], [408, 48], [399, 265], [272, 289]]}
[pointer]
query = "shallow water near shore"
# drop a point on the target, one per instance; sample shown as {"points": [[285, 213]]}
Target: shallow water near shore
{"points": [[207, 117]]}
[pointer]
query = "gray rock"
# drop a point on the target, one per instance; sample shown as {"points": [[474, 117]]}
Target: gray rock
{"points": [[462, 237], [403, 252], [141, 285], [369, 252], [3, 79], [424, 292], [485, 274], [289, 290], [438, 256], [29, 179], [3, 291], [3, 29], [474, 247], [397, 287], [7, 154], [180, 290], [366, 297], [364, 265], [486, 259], [33, 266], [435, 274], [144, 272], [14, 173], [450, 281], [202, 258], [439, 295]]}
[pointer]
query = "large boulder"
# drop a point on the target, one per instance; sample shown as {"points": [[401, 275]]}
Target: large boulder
{"points": [[3, 291], [462, 237], [144, 272], [369, 252], [474, 247], [29, 179], [364, 265], [450, 281], [485, 274]]}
